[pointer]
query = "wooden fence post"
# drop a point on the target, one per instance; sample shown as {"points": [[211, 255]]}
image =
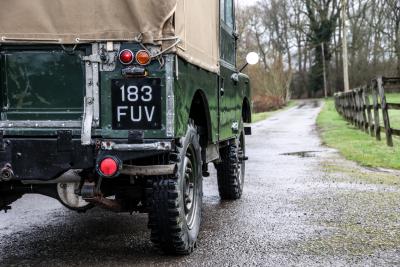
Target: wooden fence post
{"points": [[360, 109], [355, 106], [385, 112], [345, 105], [348, 107], [377, 126], [356, 113], [369, 113], [363, 109], [353, 119]]}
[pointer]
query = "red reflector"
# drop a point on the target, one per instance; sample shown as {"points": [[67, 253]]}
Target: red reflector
{"points": [[108, 167], [126, 56]]}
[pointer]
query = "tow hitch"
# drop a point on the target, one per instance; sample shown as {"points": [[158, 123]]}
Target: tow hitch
{"points": [[6, 173], [91, 193], [111, 167]]}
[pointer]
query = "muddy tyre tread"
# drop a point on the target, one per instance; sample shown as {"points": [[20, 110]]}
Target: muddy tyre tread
{"points": [[228, 187], [169, 232], [166, 229]]}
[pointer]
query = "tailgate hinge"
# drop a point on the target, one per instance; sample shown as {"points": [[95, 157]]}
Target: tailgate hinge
{"points": [[91, 111]]}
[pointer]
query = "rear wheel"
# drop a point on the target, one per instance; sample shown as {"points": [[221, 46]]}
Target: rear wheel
{"points": [[175, 213], [231, 169]]}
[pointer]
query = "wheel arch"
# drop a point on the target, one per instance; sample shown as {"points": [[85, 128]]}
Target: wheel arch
{"points": [[200, 114], [246, 110]]}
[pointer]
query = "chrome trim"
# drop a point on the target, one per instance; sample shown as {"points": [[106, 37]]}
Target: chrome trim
{"points": [[29, 40], [86, 135], [91, 113], [40, 124], [157, 146], [227, 65], [96, 88], [170, 105]]}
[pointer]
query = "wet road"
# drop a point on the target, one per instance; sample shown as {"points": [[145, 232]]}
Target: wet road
{"points": [[303, 205]]}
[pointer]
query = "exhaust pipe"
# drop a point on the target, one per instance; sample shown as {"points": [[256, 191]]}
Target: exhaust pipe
{"points": [[71, 176], [6, 173]]}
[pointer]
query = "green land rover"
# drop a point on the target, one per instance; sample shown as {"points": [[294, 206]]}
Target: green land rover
{"points": [[123, 104]]}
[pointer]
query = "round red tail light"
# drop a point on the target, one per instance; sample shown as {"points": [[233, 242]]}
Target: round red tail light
{"points": [[108, 167], [126, 56], [143, 57]]}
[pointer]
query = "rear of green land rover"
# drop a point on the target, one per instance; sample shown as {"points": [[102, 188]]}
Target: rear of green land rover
{"points": [[117, 104], [81, 81], [86, 101], [61, 102]]}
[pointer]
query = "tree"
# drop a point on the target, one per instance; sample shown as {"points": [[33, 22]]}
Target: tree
{"points": [[323, 16], [289, 35]]}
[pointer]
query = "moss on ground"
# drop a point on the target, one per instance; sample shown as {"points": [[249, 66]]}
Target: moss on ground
{"points": [[351, 175], [363, 223], [358, 216]]}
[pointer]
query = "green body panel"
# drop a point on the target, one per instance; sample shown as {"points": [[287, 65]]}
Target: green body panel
{"points": [[56, 81], [224, 109], [230, 107], [47, 82], [235, 93], [192, 79], [106, 131], [232, 98], [41, 83]]}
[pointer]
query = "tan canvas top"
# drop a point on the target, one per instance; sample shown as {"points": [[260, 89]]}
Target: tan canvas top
{"points": [[197, 23], [74, 21], [67, 20]]}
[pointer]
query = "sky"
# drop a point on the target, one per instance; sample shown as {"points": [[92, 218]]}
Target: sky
{"points": [[246, 2]]}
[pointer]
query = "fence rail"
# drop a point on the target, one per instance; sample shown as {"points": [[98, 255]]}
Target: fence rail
{"points": [[356, 107]]}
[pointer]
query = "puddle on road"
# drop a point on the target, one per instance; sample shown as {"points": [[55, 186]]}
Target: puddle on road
{"points": [[302, 154]]}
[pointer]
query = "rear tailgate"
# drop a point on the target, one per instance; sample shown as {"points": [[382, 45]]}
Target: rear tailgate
{"points": [[40, 83]]}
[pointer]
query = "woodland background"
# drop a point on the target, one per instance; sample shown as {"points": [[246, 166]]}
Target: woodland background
{"points": [[296, 37]]}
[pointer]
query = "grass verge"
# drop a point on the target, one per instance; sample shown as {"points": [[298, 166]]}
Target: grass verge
{"points": [[265, 115], [354, 144], [393, 114]]}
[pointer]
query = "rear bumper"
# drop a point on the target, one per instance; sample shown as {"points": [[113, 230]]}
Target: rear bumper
{"points": [[48, 158]]}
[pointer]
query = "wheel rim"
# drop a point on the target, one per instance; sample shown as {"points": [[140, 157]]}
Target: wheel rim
{"points": [[189, 187]]}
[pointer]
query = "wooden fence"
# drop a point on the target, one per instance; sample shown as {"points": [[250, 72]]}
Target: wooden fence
{"points": [[356, 107]]}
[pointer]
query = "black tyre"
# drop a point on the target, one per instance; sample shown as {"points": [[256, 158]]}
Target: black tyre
{"points": [[175, 213], [231, 169]]}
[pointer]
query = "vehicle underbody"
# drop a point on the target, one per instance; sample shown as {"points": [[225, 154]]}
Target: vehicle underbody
{"points": [[40, 165]]}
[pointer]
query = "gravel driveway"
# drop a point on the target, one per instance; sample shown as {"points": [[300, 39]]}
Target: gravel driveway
{"points": [[303, 205]]}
